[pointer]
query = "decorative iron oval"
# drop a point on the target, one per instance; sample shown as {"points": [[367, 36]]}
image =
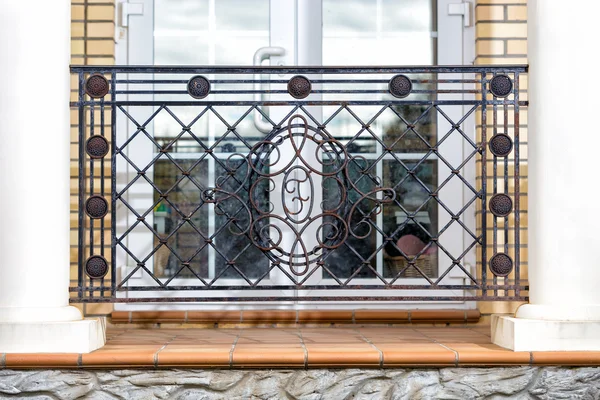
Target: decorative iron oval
{"points": [[501, 145], [96, 86], [198, 87], [96, 146], [501, 264], [299, 87], [96, 207], [501, 205], [501, 86], [96, 267], [298, 199], [400, 86]]}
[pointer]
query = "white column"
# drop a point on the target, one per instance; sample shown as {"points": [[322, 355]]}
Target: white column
{"points": [[35, 315], [564, 239]]}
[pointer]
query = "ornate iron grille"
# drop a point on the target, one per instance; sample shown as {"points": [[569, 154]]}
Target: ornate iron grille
{"points": [[298, 184]]}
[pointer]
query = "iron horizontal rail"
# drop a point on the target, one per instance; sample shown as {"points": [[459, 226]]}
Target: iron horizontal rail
{"points": [[302, 287], [302, 103], [267, 91], [237, 81], [298, 69], [279, 299]]}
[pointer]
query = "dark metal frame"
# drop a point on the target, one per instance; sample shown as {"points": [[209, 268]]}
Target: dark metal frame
{"points": [[359, 86]]}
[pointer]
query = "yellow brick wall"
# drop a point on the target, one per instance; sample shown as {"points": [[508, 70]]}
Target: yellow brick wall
{"points": [[501, 38], [92, 43]]}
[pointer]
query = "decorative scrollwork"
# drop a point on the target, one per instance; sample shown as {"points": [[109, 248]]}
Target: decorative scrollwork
{"points": [[282, 217]]}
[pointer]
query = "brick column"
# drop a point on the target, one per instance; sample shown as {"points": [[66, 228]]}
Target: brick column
{"points": [[35, 315]]}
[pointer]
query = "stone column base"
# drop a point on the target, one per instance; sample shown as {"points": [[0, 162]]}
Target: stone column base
{"points": [[520, 334], [81, 336]]}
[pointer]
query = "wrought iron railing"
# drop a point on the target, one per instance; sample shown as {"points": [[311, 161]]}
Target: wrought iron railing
{"points": [[299, 184]]}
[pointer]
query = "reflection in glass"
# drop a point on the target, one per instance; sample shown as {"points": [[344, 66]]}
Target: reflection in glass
{"points": [[387, 32], [194, 228]]}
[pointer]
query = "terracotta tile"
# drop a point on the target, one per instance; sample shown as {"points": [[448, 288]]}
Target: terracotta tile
{"points": [[381, 316], [248, 356], [17, 360], [473, 316], [449, 316], [214, 316], [157, 316], [329, 316], [141, 356], [573, 358], [343, 356], [119, 317], [488, 354], [270, 316], [188, 356], [415, 354]]}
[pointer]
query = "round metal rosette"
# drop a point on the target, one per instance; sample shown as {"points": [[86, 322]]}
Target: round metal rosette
{"points": [[501, 86], [299, 87], [501, 205], [400, 86], [501, 264], [198, 87], [96, 207], [96, 86], [501, 145], [96, 267], [96, 146]]}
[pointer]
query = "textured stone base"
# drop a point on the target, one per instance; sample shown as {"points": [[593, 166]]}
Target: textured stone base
{"points": [[424, 384], [53, 337], [521, 334]]}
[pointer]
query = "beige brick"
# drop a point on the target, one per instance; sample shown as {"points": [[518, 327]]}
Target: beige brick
{"points": [[103, 12], [516, 46], [490, 47], [77, 47], [502, 61], [489, 13], [77, 29], [77, 12], [517, 13], [98, 309], [101, 47], [77, 60], [101, 29], [500, 30], [101, 61]]}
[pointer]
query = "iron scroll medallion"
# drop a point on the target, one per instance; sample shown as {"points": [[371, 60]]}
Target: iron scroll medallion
{"points": [[96, 86], [198, 87], [501, 86], [96, 207], [400, 86], [501, 145], [501, 264], [96, 146], [501, 205], [299, 87], [96, 267]]}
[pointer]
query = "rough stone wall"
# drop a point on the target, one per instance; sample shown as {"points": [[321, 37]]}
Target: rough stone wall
{"points": [[446, 383]]}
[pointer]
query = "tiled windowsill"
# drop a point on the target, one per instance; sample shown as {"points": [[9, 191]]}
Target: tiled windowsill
{"points": [[347, 347]]}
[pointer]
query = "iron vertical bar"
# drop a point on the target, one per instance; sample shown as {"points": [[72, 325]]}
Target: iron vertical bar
{"points": [[81, 178], [92, 252], [517, 206], [506, 190], [113, 184], [483, 184]]}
